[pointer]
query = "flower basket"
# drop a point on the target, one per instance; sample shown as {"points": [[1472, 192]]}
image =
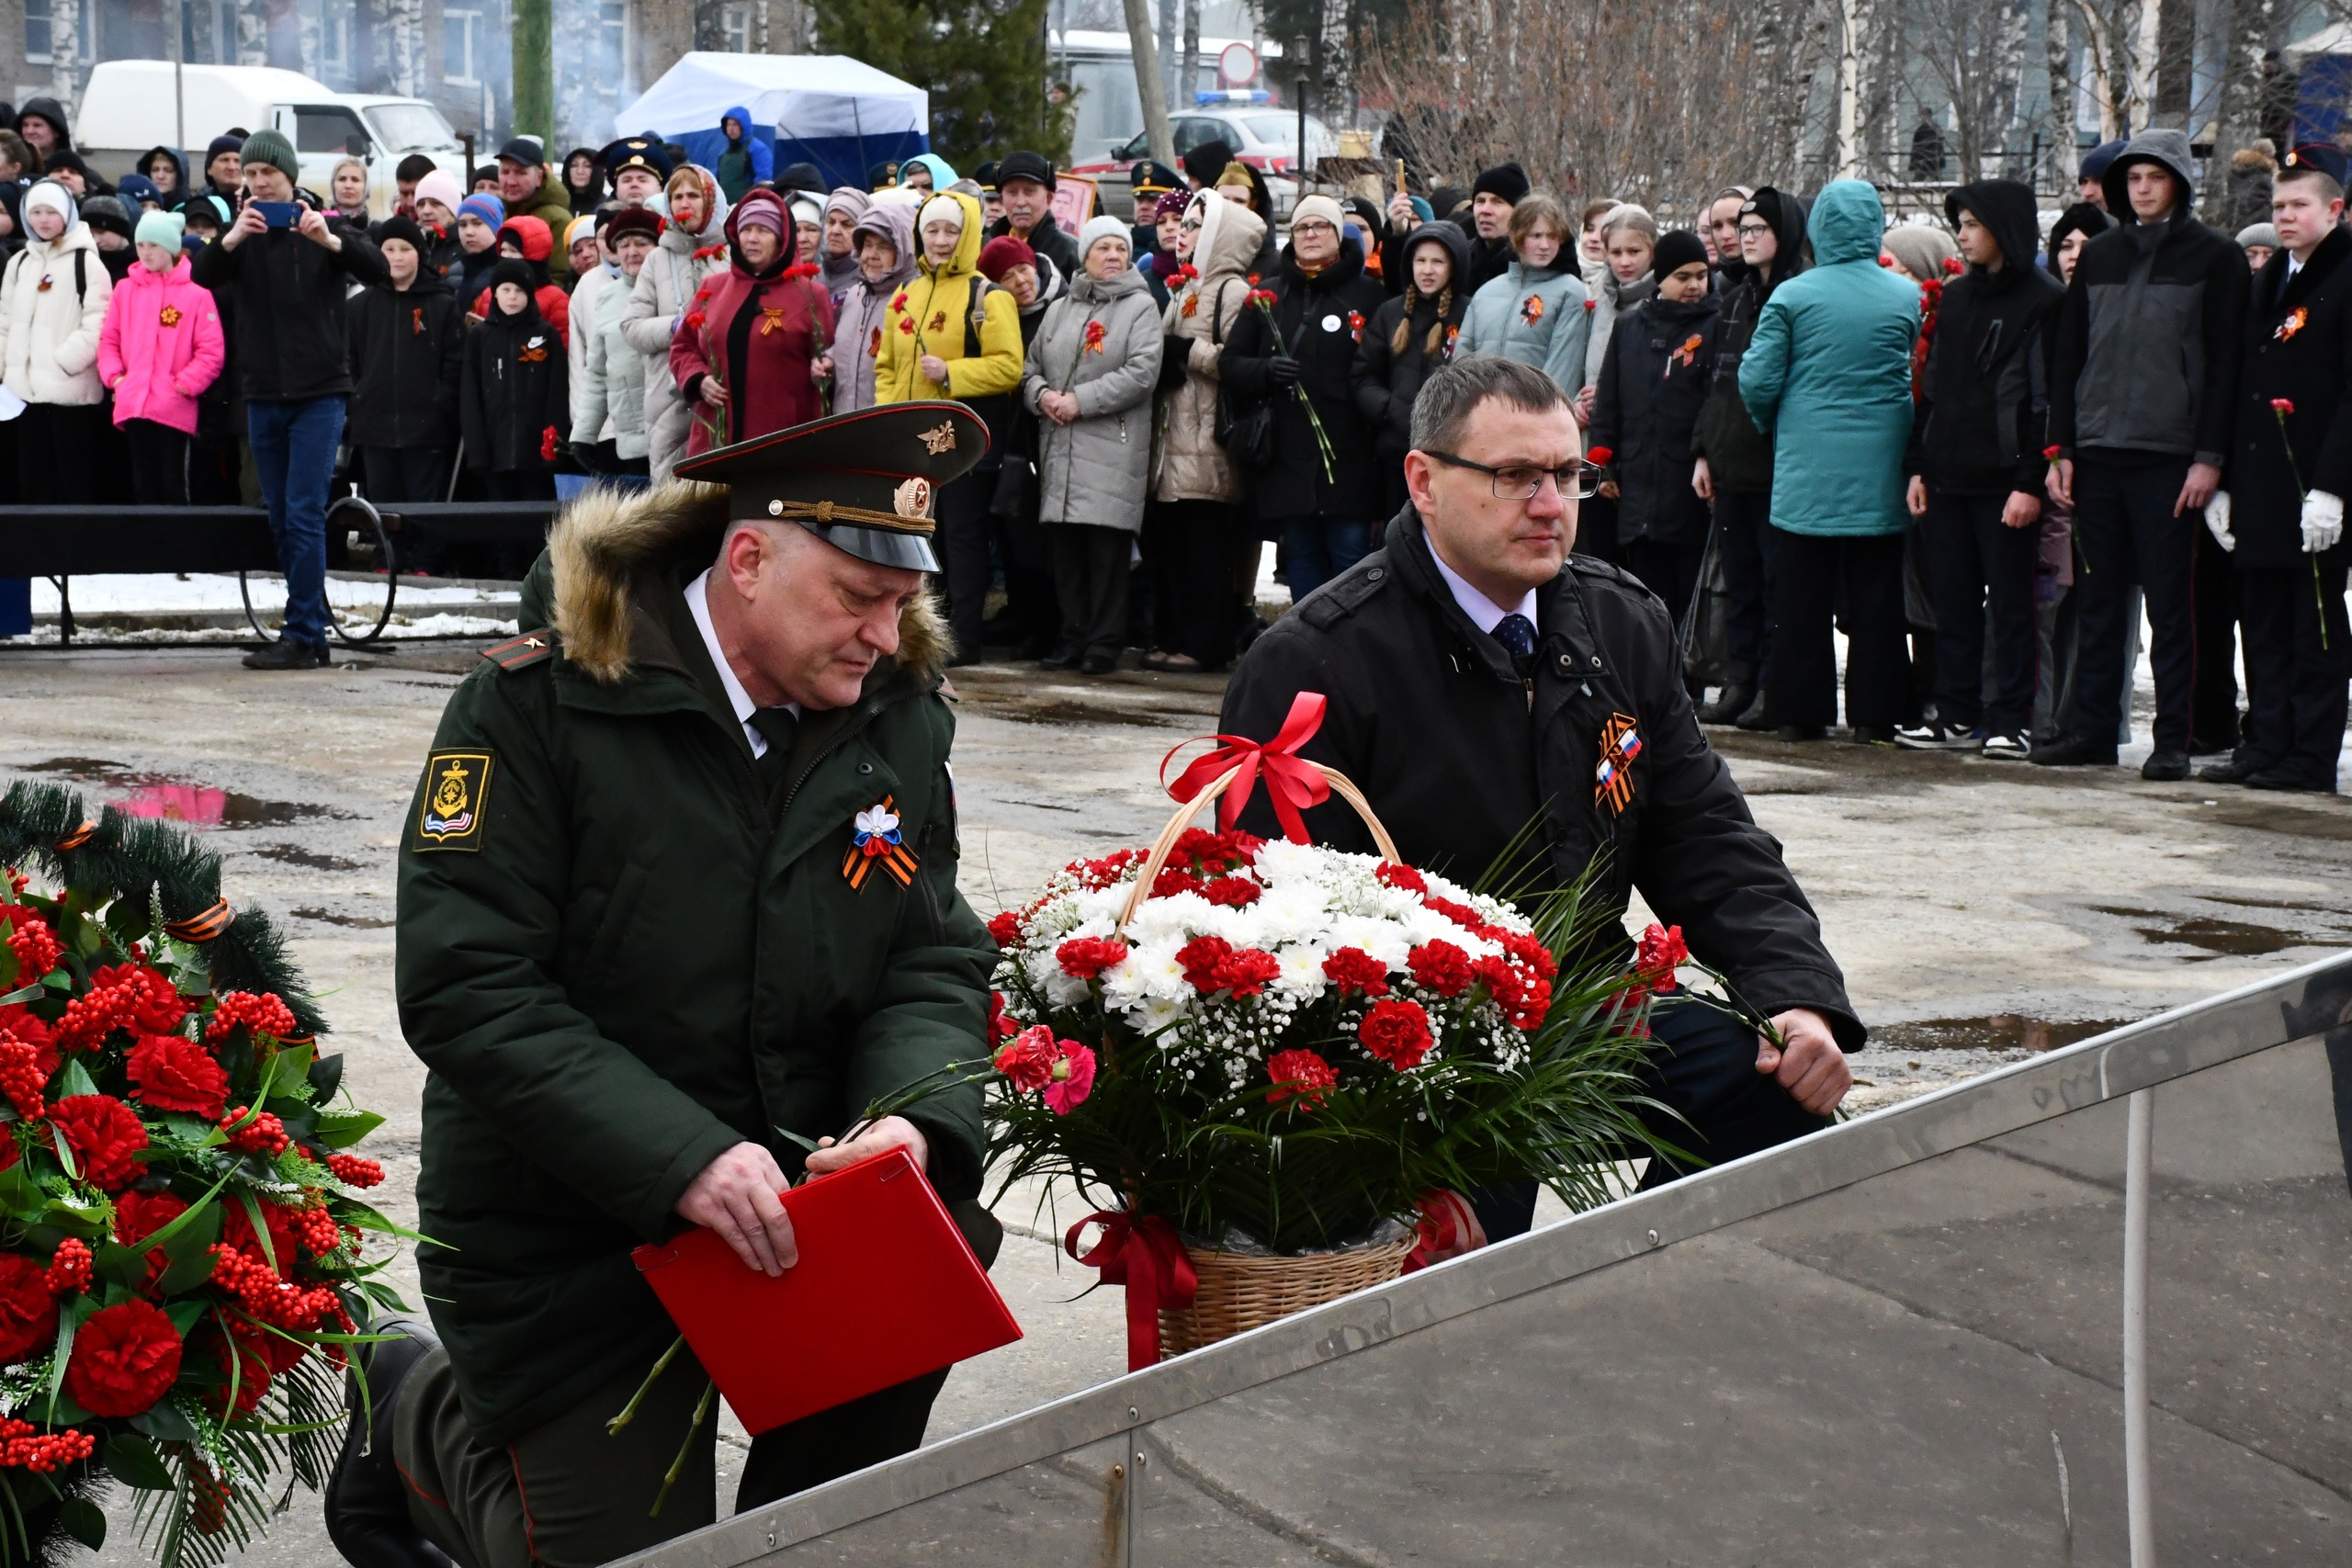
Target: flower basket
{"points": [[1236, 1292]]}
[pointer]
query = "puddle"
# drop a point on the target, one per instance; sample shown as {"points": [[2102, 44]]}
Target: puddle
{"points": [[1997, 1031], [1066, 714], [2233, 939], [360, 923], [147, 795], [293, 854]]}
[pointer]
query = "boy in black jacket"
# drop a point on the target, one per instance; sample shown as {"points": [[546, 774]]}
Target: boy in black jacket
{"points": [[1654, 381], [514, 401], [2290, 469], [2142, 390], [1976, 471], [407, 341]]}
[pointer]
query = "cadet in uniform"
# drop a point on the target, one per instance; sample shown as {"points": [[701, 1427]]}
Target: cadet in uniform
{"points": [[635, 940]]}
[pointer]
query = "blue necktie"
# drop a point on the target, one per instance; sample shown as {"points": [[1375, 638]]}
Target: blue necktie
{"points": [[1517, 634]]}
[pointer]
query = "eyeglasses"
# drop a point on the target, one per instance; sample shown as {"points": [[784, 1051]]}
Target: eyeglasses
{"points": [[1521, 482], [1312, 226], [1748, 231]]}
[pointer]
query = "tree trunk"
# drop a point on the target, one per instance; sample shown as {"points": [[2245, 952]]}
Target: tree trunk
{"points": [[2058, 55], [534, 70], [1148, 86]]}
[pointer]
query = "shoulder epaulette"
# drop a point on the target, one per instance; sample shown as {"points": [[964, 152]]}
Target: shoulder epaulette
{"points": [[1347, 592], [521, 652]]}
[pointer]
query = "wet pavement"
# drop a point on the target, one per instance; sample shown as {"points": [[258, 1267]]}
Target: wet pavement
{"points": [[1982, 911]]}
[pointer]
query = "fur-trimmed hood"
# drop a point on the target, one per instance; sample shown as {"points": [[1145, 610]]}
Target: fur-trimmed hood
{"points": [[607, 541]]}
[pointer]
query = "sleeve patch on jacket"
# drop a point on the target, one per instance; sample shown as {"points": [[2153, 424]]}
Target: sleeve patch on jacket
{"points": [[457, 793], [521, 652]]}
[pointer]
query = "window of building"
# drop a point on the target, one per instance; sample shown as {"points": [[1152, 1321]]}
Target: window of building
{"points": [[612, 44], [334, 39], [38, 35], [461, 39], [735, 22]]}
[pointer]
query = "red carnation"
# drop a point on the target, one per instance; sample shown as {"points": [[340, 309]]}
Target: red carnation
{"points": [[1502, 981], [1199, 959], [1355, 971], [1439, 966], [800, 270], [1004, 928], [1523, 947], [28, 1308], [1391, 874], [547, 444], [1173, 880], [171, 1073], [1073, 1078], [138, 1215], [156, 1006], [1599, 456], [125, 1358], [1027, 1059], [251, 1373], [1590, 303], [1231, 891], [1300, 1076], [1395, 1031], [1248, 972], [1662, 950], [2053, 454], [1461, 915], [1001, 1026], [1085, 957], [1953, 265], [105, 1133], [2282, 405]]}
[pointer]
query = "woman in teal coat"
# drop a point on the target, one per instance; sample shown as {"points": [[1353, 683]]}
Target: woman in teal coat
{"points": [[1828, 375]]}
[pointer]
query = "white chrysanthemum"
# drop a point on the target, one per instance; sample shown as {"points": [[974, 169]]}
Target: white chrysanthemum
{"points": [[1154, 1013], [1385, 940], [1283, 862], [1292, 913], [1302, 972], [1175, 921], [1150, 971]]}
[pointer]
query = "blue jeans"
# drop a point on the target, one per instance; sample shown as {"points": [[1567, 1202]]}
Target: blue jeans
{"points": [[294, 450], [1318, 550], [15, 606]]}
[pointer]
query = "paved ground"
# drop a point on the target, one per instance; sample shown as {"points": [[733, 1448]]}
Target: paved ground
{"points": [[1980, 910]]}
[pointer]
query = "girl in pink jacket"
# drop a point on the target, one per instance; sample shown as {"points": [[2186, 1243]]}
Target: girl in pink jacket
{"points": [[161, 348]]}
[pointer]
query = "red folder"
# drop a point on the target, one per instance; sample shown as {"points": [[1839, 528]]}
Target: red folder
{"points": [[886, 1289]]}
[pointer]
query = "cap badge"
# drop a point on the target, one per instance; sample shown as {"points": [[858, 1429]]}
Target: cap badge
{"points": [[912, 498], [940, 438]]}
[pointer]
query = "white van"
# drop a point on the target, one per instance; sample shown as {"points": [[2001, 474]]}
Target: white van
{"points": [[131, 105]]}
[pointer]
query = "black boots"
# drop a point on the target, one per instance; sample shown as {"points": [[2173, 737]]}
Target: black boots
{"points": [[366, 1501]]}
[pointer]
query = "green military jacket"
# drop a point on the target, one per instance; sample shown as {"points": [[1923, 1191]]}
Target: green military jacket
{"points": [[620, 953]]}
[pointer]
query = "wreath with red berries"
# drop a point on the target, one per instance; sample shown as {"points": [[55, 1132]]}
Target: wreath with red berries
{"points": [[182, 1259]]}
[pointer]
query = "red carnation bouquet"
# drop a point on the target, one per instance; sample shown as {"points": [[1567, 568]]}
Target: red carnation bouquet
{"points": [[182, 1268]]}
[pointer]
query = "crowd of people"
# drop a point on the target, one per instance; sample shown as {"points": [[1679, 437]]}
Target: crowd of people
{"points": [[1978, 448]]}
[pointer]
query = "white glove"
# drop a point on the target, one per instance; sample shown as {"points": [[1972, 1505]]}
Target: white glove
{"points": [[2323, 520], [2217, 519]]}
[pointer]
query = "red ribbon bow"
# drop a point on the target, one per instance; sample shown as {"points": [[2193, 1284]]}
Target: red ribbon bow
{"points": [[1291, 781], [1142, 1253]]}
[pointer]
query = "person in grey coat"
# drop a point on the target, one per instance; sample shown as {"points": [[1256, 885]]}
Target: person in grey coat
{"points": [[883, 244], [1091, 370], [1536, 313]]}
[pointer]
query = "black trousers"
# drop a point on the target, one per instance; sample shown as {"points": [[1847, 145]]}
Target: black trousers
{"points": [[1090, 583], [1032, 615], [520, 484], [158, 463], [1801, 681], [1980, 570], [1597, 530], [2214, 708], [2295, 681], [61, 450], [1745, 523], [961, 543], [1702, 1066], [1670, 572], [1191, 545], [404, 473], [2124, 523]]}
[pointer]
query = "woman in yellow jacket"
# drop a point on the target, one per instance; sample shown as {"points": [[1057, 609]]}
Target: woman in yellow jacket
{"points": [[951, 333]]}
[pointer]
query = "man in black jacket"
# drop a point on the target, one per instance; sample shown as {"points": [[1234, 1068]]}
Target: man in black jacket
{"points": [[2290, 469], [1976, 471], [1025, 184], [1477, 674], [1733, 459], [287, 286], [2142, 390]]}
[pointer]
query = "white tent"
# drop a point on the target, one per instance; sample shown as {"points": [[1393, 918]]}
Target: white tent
{"points": [[805, 98]]}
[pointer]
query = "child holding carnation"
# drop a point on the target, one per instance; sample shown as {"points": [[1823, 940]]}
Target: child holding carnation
{"points": [[513, 399]]}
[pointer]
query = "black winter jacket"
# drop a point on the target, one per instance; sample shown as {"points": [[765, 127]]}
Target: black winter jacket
{"points": [[1386, 381], [513, 393], [1429, 718], [1739, 455], [2299, 347], [287, 294], [2148, 343], [1312, 316], [1983, 399], [1652, 383], [407, 351], [1048, 240]]}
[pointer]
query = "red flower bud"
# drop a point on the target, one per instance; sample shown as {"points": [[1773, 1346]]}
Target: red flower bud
{"points": [[1599, 456], [2282, 406]]}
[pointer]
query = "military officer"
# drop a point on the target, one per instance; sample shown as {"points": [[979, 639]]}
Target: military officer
{"points": [[633, 947]]}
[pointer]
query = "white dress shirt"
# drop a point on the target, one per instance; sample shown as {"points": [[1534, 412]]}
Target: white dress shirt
{"points": [[699, 606], [1483, 612]]}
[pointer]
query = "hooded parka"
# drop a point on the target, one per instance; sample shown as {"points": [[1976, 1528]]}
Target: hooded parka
{"points": [[865, 306], [54, 295], [1100, 342], [641, 955], [747, 161], [1982, 394], [935, 312], [1191, 464], [671, 275], [162, 347], [612, 403], [408, 350], [759, 333], [513, 401], [1536, 315], [1828, 376], [1316, 321], [1387, 379]]}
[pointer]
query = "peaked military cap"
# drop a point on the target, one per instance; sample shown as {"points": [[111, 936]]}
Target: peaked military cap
{"points": [[866, 482], [635, 153], [1153, 179], [2320, 157], [882, 177]]}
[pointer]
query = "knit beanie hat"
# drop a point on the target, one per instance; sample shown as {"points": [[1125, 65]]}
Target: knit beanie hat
{"points": [[486, 207], [442, 186], [1322, 206], [849, 199], [1103, 228], [106, 214], [581, 228], [2261, 234], [56, 197], [220, 144], [398, 227], [271, 147], [1003, 254], [1922, 250], [763, 210], [138, 190], [1171, 204], [1506, 180], [162, 229], [1677, 249], [510, 271], [937, 208]]}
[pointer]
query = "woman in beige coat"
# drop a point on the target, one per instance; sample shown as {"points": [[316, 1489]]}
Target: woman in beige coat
{"points": [[692, 247], [1195, 529], [53, 297]]}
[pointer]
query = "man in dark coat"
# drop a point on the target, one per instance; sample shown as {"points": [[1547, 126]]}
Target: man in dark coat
{"points": [[1976, 471], [643, 986], [1488, 223], [2142, 390], [2281, 515], [1319, 496], [1732, 464], [1025, 184], [1478, 676]]}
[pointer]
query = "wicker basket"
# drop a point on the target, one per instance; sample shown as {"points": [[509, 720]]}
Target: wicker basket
{"points": [[1239, 1291]]}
